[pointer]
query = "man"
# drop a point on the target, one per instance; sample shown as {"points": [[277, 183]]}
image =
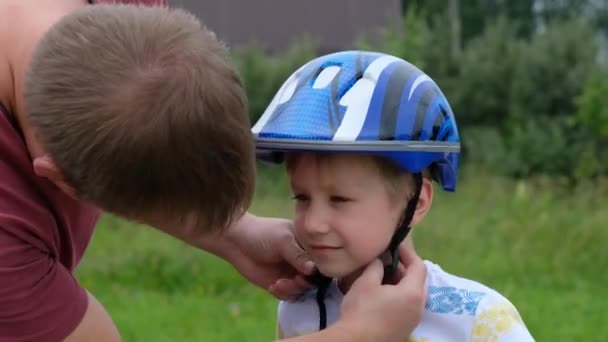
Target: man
{"points": [[137, 111]]}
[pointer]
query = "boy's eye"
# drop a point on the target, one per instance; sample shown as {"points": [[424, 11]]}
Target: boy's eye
{"points": [[300, 197], [339, 199]]}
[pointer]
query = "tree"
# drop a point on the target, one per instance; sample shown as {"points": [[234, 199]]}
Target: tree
{"points": [[455, 20]]}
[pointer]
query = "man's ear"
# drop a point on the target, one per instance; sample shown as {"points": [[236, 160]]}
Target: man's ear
{"points": [[424, 201], [45, 167]]}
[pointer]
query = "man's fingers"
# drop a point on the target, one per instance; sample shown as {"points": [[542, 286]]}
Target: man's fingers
{"points": [[415, 269], [281, 289], [302, 283], [296, 256], [400, 270], [407, 255], [287, 289]]}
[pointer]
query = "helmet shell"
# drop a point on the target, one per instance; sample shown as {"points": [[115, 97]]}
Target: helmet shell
{"points": [[367, 103]]}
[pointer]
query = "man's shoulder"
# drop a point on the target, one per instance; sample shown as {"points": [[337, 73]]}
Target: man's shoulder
{"points": [[18, 37], [12, 9]]}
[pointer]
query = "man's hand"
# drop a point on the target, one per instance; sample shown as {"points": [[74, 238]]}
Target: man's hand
{"points": [[263, 250], [386, 312], [267, 254]]}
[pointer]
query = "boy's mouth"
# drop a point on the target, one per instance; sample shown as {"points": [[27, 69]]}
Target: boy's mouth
{"points": [[323, 248]]}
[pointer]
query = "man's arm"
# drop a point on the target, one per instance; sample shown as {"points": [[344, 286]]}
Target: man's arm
{"points": [[6, 79], [335, 333], [39, 298], [96, 325], [221, 244]]}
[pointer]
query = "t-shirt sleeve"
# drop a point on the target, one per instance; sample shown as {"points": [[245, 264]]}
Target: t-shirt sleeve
{"points": [[499, 321], [39, 298]]}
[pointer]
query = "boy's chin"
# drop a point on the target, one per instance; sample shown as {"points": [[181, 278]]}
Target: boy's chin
{"points": [[335, 272]]}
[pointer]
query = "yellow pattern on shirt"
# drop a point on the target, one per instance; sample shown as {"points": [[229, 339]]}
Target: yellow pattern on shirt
{"points": [[495, 321]]}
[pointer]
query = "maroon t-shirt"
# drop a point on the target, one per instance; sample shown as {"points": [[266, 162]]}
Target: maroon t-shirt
{"points": [[43, 235]]}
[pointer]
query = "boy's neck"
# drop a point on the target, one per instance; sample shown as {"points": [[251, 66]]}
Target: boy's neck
{"points": [[347, 281]]}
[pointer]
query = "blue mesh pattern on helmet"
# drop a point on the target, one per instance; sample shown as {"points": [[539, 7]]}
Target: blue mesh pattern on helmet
{"points": [[316, 114]]}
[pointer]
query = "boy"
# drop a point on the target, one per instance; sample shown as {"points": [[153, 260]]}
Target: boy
{"points": [[363, 134]]}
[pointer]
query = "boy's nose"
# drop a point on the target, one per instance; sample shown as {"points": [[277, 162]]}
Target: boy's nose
{"points": [[316, 222]]}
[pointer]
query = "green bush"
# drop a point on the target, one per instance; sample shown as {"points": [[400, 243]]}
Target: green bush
{"points": [[553, 69], [592, 120], [527, 91], [485, 77], [540, 146], [593, 106], [484, 146]]}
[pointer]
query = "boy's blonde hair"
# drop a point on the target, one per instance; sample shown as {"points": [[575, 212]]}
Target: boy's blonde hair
{"points": [[143, 113], [395, 178]]}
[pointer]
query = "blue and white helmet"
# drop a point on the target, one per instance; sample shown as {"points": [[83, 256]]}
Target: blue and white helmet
{"points": [[364, 102]]}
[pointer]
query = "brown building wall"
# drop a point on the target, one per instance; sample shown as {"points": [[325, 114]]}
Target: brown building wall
{"points": [[273, 24]]}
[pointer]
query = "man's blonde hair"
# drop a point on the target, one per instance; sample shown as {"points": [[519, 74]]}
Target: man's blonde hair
{"points": [[143, 113]]}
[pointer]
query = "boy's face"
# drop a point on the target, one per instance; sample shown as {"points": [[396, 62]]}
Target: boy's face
{"points": [[344, 216]]}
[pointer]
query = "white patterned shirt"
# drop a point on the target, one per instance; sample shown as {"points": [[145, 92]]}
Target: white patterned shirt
{"points": [[457, 309]]}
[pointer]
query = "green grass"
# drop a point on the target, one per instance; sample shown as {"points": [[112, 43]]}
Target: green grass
{"points": [[540, 244]]}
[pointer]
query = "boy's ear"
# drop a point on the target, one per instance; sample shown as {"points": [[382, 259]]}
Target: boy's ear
{"points": [[424, 201], [45, 167]]}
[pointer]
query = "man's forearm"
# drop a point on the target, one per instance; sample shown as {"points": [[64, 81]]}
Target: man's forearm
{"points": [[221, 244], [336, 333]]}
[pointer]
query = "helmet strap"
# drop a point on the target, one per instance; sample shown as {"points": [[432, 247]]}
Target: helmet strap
{"points": [[403, 229], [322, 282]]}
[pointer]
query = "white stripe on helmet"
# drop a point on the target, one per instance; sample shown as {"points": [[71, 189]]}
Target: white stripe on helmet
{"points": [[358, 98], [418, 81], [283, 95], [326, 77]]}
